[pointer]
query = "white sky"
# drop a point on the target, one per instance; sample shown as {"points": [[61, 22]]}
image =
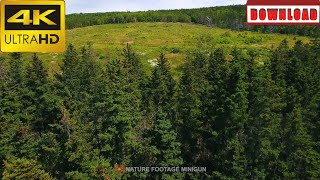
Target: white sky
{"points": [[77, 6]]}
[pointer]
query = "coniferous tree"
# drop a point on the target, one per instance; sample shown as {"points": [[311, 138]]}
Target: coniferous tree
{"points": [[68, 80], [42, 104], [302, 159], [136, 87], [188, 117], [165, 146], [189, 101], [214, 109], [237, 109], [279, 63], [298, 153], [264, 125], [123, 115], [15, 101], [162, 85]]}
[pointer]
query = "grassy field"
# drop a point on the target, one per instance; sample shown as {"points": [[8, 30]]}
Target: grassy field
{"points": [[176, 40]]}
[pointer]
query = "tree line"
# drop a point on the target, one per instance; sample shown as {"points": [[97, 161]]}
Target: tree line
{"points": [[230, 17], [239, 117]]}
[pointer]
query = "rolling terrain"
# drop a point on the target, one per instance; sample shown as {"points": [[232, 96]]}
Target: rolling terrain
{"points": [[176, 40]]}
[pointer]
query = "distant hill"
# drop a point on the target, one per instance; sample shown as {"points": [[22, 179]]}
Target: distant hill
{"points": [[175, 40], [231, 17]]}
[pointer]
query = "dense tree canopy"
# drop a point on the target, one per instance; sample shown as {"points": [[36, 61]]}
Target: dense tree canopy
{"points": [[239, 116]]}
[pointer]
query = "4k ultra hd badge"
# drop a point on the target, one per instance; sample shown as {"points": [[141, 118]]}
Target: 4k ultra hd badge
{"points": [[32, 26]]}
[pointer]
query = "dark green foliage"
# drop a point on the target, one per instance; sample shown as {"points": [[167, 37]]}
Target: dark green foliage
{"points": [[165, 146], [42, 103], [263, 127], [123, 115], [162, 85], [188, 116], [302, 160], [227, 107], [189, 122], [239, 116], [291, 76]]}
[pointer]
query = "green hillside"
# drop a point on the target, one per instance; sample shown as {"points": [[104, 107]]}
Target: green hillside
{"points": [[176, 40]]}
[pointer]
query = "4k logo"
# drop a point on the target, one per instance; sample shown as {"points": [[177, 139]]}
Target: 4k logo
{"points": [[36, 15], [32, 26]]}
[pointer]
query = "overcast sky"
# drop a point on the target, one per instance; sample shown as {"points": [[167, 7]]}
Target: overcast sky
{"points": [[77, 6]]}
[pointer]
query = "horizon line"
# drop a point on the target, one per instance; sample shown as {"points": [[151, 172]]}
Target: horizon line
{"points": [[128, 11]]}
